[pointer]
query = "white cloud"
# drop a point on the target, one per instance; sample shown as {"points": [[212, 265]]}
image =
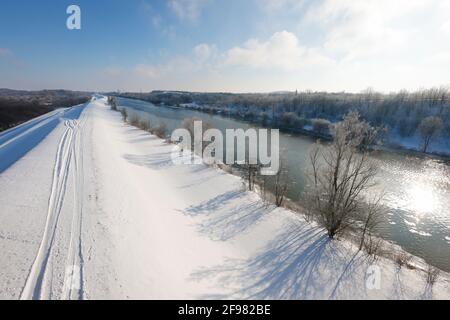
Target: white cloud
{"points": [[281, 51], [7, 55], [189, 10], [146, 71], [5, 52], [273, 5], [204, 51], [374, 29]]}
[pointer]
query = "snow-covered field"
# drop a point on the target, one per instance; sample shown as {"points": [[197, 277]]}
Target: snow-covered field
{"points": [[91, 208]]}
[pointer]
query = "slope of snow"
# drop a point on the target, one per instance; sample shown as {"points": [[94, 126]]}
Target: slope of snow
{"points": [[98, 210], [439, 145]]}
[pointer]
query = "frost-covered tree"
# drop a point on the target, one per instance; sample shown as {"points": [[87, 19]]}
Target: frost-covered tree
{"points": [[321, 126], [340, 175], [429, 128]]}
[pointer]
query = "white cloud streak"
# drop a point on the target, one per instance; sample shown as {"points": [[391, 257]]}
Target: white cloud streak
{"points": [[188, 10]]}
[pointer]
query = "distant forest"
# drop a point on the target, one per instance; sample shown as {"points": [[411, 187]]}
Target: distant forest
{"points": [[401, 113], [18, 106]]}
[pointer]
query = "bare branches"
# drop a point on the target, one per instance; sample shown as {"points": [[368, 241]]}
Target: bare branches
{"points": [[372, 213], [281, 184], [429, 128], [432, 275], [403, 259], [340, 176], [250, 173]]}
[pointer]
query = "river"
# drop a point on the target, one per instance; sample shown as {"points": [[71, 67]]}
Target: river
{"points": [[417, 188]]}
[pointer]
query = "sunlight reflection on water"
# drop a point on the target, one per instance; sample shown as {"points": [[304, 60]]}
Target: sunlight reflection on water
{"points": [[419, 197]]}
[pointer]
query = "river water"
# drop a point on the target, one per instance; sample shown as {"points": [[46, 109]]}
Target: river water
{"points": [[417, 188]]}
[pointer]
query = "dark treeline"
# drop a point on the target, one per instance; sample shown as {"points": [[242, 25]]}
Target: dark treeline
{"points": [[17, 106], [400, 112]]}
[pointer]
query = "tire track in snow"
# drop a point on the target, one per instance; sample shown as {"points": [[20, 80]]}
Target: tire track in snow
{"points": [[73, 280], [37, 283]]}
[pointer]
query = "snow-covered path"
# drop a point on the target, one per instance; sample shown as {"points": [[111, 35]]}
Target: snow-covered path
{"points": [[96, 209]]}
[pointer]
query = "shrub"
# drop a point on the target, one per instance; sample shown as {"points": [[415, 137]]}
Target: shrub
{"points": [[160, 130], [292, 120], [373, 246], [403, 259], [321, 126], [134, 121], [145, 125], [432, 275], [124, 114], [429, 128]]}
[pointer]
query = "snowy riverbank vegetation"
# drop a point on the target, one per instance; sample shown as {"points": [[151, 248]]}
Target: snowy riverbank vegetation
{"points": [[401, 113]]}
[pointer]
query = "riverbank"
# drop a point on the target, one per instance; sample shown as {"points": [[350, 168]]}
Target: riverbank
{"points": [[393, 141], [273, 252], [417, 187]]}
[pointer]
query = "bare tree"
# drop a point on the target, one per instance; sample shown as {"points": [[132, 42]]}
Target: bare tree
{"points": [[373, 246], [432, 275], [160, 130], [372, 213], [250, 172], [429, 128], [281, 184], [339, 177]]}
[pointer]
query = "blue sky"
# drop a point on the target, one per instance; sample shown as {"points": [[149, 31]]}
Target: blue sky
{"points": [[233, 45]]}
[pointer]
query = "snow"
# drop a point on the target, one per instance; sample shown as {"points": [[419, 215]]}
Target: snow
{"points": [[439, 145], [96, 209]]}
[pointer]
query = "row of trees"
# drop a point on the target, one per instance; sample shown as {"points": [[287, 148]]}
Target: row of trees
{"points": [[17, 107], [159, 130], [400, 113]]}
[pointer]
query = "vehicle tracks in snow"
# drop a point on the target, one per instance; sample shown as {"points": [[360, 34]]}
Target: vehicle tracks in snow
{"points": [[68, 167]]}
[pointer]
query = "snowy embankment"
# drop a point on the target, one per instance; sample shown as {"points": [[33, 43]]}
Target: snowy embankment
{"points": [[97, 209]]}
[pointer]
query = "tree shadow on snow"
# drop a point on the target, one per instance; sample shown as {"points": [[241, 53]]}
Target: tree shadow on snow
{"points": [[228, 214], [205, 176], [398, 288], [427, 293], [299, 263], [142, 137], [157, 161]]}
